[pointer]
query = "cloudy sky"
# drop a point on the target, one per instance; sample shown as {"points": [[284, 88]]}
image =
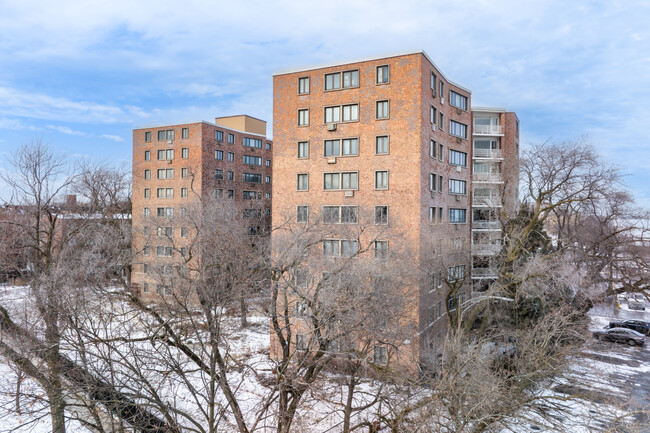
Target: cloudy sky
{"points": [[82, 74]]}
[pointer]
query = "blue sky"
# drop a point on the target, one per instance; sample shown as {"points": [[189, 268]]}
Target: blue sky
{"points": [[82, 75]]}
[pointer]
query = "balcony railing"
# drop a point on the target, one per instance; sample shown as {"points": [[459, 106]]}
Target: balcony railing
{"points": [[486, 225], [488, 129], [487, 153], [486, 249], [491, 201], [484, 273], [487, 177]]}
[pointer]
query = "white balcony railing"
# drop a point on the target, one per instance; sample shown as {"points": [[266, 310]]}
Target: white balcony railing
{"points": [[486, 225], [487, 177], [484, 273], [491, 201], [487, 153], [486, 249], [488, 129]]}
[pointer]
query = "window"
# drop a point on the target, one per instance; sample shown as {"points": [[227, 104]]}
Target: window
{"points": [[340, 181], [267, 195], [268, 161], [433, 82], [161, 135], [457, 216], [381, 145], [432, 215], [456, 273], [350, 79], [146, 251], [380, 355], [183, 252], [165, 193], [162, 251], [301, 342], [351, 113], [183, 192], [218, 174], [381, 180], [381, 215], [185, 133], [457, 100], [231, 138], [457, 158], [165, 154], [218, 135], [253, 142], [302, 214], [162, 212], [231, 156], [349, 147], [184, 153], [440, 151], [268, 146], [231, 193], [339, 248], [382, 74], [440, 213], [432, 181], [457, 129], [147, 155], [441, 87], [252, 160], [267, 179], [432, 117], [303, 150], [218, 155], [382, 110], [147, 137], [301, 307], [440, 183], [381, 249], [183, 232], [231, 175], [457, 186], [303, 117], [303, 182], [303, 85], [252, 177], [301, 279], [146, 212], [332, 114], [184, 173], [441, 121], [147, 174], [340, 214], [145, 268], [432, 149], [166, 135], [163, 290], [165, 232], [218, 193], [165, 173]]}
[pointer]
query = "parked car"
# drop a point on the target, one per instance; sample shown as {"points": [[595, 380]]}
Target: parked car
{"points": [[620, 335], [636, 325], [636, 301]]}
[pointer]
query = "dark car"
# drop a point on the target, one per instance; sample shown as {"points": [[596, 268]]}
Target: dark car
{"points": [[621, 335], [636, 325]]}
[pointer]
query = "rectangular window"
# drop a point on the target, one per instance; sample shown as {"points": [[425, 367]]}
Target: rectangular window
{"points": [[303, 85], [381, 249], [170, 134], [231, 175], [303, 182], [147, 174], [432, 117], [302, 214], [333, 81], [165, 173], [339, 248], [340, 181], [351, 113], [165, 193], [147, 137], [432, 181], [231, 193], [161, 135], [183, 252], [231, 156], [303, 150], [433, 82], [380, 355], [457, 100], [183, 192], [218, 193], [147, 155], [351, 79], [231, 138], [163, 251], [381, 215], [349, 147], [218, 135], [252, 177], [440, 151], [218, 174], [457, 216], [218, 155], [432, 215], [440, 213], [184, 152], [441, 121], [382, 74], [146, 251], [340, 214], [185, 133], [267, 195], [441, 87], [165, 232], [267, 179], [301, 342], [382, 110], [146, 212], [381, 180], [160, 212], [440, 183], [252, 142], [432, 149], [332, 114], [381, 145], [268, 146], [457, 129], [303, 117], [457, 186], [457, 158], [456, 273], [184, 173], [252, 160], [268, 162]]}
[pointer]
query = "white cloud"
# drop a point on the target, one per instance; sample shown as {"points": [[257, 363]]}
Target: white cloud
{"points": [[112, 137], [66, 130]]}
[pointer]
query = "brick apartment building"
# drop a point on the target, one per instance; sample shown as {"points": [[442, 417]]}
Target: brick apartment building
{"points": [[390, 137], [173, 167]]}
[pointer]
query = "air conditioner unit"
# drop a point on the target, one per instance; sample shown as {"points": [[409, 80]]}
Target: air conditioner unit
{"points": [[458, 110], [170, 141], [459, 140], [331, 160], [442, 101], [331, 126], [433, 194], [349, 193], [169, 161], [457, 198], [458, 168], [433, 126]]}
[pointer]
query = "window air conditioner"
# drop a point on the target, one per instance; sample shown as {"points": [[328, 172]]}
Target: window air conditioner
{"points": [[458, 110], [331, 160], [459, 140], [458, 168], [331, 126], [457, 198], [433, 92], [170, 141], [349, 193], [169, 161], [433, 194], [433, 126], [442, 101]]}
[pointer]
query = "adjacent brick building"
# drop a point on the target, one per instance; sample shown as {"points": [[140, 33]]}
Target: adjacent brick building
{"points": [[173, 167]]}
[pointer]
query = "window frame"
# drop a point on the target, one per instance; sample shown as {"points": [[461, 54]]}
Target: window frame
{"points": [[454, 125], [377, 69], [301, 90], [302, 146], [341, 80], [381, 222], [340, 214], [461, 97], [463, 157], [387, 137], [303, 112], [457, 212], [457, 182], [340, 147], [305, 213], [306, 183], [387, 116], [384, 188], [340, 180]]}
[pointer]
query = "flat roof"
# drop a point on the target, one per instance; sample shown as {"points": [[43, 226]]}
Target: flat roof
{"points": [[201, 121], [368, 59]]}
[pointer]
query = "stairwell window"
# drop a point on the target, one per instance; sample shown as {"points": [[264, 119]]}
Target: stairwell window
{"points": [[432, 149]]}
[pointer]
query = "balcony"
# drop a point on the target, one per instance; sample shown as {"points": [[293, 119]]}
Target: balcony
{"points": [[487, 153], [487, 177], [488, 130], [488, 249], [484, 200], [486, 225], [484, 273]]}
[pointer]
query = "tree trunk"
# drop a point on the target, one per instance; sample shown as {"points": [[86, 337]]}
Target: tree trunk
{"points": [[243, 311]]}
